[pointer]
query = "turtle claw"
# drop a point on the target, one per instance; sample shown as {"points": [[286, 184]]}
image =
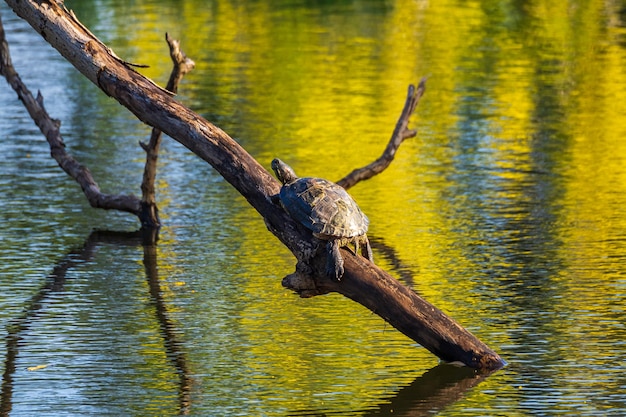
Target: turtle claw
{"points": [[334, 270]]}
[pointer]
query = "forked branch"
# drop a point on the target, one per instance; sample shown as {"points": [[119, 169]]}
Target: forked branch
{"points": [[51, 129]]}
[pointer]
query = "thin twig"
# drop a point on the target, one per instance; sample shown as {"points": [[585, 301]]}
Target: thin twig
{"points": [[150, 213], [400, 133]]}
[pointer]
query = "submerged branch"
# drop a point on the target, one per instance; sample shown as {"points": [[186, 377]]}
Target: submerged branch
{"points": [[145, 208]]}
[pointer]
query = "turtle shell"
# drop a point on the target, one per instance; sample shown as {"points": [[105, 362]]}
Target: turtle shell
{"points": [[324, 207]]}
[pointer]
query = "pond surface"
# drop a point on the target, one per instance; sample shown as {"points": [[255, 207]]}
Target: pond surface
{"points": [[507, 211]]}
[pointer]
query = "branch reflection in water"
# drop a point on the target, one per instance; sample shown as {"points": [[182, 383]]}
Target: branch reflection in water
{"points": [[55, 283], [432, 392], [396, 265], [427, 395], [436, 389]]}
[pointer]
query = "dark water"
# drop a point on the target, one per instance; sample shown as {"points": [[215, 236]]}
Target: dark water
{"points": [[506, 211]]}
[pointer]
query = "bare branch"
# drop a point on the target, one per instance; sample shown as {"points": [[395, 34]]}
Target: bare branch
{"points": [[149, 211], [51, 129], [400, 133], [146, 208], [182, 64]]}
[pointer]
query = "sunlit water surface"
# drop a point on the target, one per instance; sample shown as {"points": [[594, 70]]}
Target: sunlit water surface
{"points": [[506, 211]]}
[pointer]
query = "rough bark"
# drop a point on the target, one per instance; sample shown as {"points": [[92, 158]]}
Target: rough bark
{"points": [[400, 306]]}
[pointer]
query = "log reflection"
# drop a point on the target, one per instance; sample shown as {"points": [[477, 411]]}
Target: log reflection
{"points": [[55, 283], [427, 395], [432, 392]]}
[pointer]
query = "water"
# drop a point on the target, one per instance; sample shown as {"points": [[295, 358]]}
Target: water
{"points": [[506, 211]]}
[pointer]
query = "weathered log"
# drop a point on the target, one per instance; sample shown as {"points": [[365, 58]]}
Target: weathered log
{"points": [[399, 305]]}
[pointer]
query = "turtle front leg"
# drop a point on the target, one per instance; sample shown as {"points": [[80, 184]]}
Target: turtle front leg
{"points": [[334, 261]]}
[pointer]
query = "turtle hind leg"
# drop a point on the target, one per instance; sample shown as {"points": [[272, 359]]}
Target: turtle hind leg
{"points": [[334, 261], [366, 249]]}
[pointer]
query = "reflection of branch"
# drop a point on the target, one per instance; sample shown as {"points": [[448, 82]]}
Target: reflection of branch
{"points": [[428, 394], [435, 390], [389, 253], [400, 133], [55, 283], [172, 344]]}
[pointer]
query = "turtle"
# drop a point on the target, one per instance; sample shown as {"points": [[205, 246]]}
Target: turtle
{"points": [[326, 209]]}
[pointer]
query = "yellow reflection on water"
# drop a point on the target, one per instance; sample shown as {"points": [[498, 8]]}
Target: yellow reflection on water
{"points": [[506, 210]]}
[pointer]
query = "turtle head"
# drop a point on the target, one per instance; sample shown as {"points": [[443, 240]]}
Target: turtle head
{"points": [[283, 172]]}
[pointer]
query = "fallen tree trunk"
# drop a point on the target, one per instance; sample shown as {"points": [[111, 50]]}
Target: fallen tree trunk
{"points": [[363, 281]]}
